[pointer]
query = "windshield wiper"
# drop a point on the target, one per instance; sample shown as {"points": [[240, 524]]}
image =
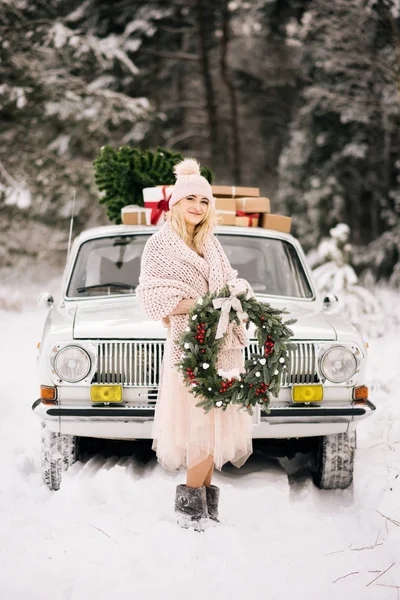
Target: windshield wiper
{"points": [[122, 286]]}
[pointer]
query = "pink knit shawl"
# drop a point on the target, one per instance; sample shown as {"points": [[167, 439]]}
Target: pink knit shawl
{"points": [[171, 271]]}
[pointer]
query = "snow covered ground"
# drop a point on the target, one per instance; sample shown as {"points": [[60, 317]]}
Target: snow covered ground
{"points": [[110, 531]]}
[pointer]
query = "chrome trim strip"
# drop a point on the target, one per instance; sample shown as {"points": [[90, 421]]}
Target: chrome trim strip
{"points": [[106, 363], [144, 370], [160, 346], [114, 361], [134, 352], [100, 367], [129, 379], [125, 377], [120, 369]]}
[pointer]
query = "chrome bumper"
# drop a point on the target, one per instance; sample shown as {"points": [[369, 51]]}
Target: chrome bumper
{"points": [[134, 422]]}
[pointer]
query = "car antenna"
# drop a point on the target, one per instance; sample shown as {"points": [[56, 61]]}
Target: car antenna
{"points": [[72, 221]]}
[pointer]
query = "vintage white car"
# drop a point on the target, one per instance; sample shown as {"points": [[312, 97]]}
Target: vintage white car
{"points": [[100, 356]]}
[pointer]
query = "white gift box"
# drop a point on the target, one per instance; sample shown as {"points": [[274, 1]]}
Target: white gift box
{"points": [[156, 199]]}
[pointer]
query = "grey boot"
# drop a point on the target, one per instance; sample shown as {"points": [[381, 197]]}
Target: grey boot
{"points": [[191, 507], [212, 495]]}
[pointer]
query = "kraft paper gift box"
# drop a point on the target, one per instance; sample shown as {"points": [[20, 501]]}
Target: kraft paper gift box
{"points": [[226, 209], [157, 199], [277, 222], [226, 217], [253, 205], [225, 204], [250, 220], [135, 215], [232, 191]]}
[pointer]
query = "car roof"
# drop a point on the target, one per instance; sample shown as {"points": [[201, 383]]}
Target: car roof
{"points": [[111, 230]]}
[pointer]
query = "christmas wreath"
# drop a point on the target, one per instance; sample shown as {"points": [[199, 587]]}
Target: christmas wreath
{"points": [[203, 338]]}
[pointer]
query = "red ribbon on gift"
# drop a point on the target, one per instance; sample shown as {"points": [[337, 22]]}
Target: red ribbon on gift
{"points": [[250, 216], [158, 207]]}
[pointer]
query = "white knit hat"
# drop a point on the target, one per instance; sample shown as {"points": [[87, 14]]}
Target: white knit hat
{"points": [[189, 181]]}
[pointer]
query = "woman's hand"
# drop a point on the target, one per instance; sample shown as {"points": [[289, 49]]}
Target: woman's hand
{"points": [[184, 306], [166, 321]]}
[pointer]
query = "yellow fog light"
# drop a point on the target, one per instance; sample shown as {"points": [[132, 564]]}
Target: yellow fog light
{"points": [[106, 393], [307, 393]]}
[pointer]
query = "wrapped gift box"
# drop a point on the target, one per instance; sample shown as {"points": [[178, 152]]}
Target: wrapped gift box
{"points": [[226, 208], [277, 222], [157, 199], [253, 205], [226, 217], [232, 191], [135, 215], [250, 220], [225, 204]]}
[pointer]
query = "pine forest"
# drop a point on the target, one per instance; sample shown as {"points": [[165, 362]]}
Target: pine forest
{"points": [[298, 97]]}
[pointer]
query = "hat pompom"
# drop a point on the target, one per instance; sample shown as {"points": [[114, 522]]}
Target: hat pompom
{"points": [[189, 166], [190, 182]]}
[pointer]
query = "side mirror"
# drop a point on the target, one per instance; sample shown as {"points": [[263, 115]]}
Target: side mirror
{"points": [[45, 300], [330, 300]]}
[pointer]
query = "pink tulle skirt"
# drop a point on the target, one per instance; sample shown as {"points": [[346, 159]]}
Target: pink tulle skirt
{"points": [[184, 435]]}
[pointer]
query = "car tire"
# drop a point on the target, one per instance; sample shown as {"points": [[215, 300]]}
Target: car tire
{"points": [[334, 461], [58, 453], [69, 445]]}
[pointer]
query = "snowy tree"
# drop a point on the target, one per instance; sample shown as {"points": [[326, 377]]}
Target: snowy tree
{"points": [[65, 91], [340, 162], [61, 98], [334, 274]]}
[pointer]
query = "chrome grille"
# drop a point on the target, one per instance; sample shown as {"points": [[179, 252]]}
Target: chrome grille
{"points": [[302, 366], [138, 363]]}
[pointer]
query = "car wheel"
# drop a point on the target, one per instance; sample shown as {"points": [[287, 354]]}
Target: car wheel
{"points": [[334, 461], [58, 453], [69, 448]]}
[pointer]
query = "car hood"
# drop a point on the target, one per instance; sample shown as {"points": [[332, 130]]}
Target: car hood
{"points": [[116, 318], [122, 318], [311, 323]]}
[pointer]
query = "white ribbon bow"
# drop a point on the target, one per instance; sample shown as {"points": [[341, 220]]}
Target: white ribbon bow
{"points": [[225, 304]]}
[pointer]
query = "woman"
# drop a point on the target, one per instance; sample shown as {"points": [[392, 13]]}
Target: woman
{"points": [[180, 263]]}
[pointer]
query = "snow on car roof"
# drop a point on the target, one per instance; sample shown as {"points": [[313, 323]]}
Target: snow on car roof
{"points": [[110, 230]]}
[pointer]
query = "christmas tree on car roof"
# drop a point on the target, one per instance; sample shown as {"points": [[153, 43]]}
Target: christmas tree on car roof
{"points": [[122, 174]]}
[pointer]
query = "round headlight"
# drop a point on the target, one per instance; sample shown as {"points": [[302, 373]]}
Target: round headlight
{"points": [[72, 364], [338, 364]]}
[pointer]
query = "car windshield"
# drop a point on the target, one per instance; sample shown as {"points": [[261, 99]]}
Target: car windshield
{"points": [[111, 265]]}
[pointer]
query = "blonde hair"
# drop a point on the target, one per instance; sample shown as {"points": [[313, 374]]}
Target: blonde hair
{"points": [[201, 232]]}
